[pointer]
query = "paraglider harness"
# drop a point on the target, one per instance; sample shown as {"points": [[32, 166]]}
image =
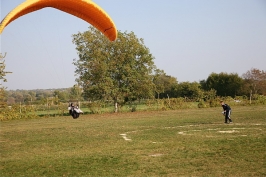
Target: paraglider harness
{"points": [[74, 111]]}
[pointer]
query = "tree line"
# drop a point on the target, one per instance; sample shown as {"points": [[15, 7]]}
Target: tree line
{"points": [[250, 84], [41, 96], [124, 71]]}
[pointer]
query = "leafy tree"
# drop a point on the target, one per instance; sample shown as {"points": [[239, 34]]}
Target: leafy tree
{"points": [[76, 92], [19, 97], [203, 84], [225, 84], [119, 71], [2, 79], [61, 95], [2, 97], [28, 98], [2, 68], [163, 83], [254, 81], [11, 101], [189, 90], [209, 95], [33, 95]]}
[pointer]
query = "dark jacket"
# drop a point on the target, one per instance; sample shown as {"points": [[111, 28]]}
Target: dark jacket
{"points": [[226, 107]]}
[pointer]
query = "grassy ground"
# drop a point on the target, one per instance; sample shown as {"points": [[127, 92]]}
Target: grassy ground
{"points": [[192, 142]]}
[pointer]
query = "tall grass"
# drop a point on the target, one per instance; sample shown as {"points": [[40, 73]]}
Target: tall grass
{"points": [[189, 142]]}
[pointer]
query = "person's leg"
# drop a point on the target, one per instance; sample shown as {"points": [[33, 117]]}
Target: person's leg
{"points": [[74, 115], [229, 116], [225, 118]]}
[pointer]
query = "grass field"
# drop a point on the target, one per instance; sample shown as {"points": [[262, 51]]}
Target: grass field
{"points": [[189, 142]]}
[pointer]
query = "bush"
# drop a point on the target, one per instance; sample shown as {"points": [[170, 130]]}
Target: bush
{"points": [[18, 112], [95, 107], [134, 108], [259, 99], [214, 102], [202, 104]]}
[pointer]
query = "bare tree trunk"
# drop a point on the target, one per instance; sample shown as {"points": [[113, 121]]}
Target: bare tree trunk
{"points": [[116, 107], [250, 96], [168, 100]]}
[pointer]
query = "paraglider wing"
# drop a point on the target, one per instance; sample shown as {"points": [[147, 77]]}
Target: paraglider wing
{"points": [[83, 9]]}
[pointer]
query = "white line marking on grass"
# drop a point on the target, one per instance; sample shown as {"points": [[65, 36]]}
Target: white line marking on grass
{"points": [[184, 133], [173, 127], [228, 131], [210, 136], [154, 142], [213, 129], [125, 137], [156, 155]]}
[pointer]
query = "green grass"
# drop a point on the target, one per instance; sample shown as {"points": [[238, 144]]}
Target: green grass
{"points": [[190, 142]]}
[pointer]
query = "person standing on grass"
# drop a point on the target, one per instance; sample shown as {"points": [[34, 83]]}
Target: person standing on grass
{"points": [[227, 113]]}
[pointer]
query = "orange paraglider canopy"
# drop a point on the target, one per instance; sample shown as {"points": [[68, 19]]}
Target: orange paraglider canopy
{"points": [[83, 9]]}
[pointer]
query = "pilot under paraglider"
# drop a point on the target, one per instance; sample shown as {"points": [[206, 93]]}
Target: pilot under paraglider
{"points": [[74, 111]]}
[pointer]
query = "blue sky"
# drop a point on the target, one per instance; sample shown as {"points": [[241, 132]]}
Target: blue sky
{"points": [[189, 39]]}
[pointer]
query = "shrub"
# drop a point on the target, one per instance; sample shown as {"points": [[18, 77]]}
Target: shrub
{"points": [[18, 112], [95, 107], [214, 102], [202, 104]]}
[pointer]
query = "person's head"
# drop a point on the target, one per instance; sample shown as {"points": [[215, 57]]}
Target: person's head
{"points": [[221, 102]]}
